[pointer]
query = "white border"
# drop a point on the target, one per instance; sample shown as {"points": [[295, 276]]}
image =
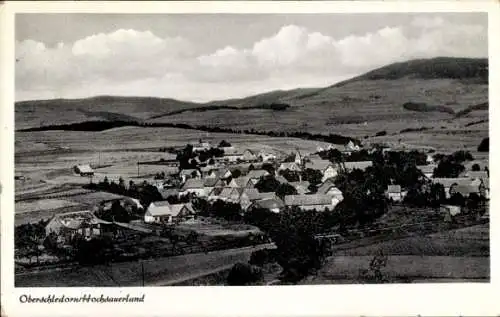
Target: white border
{"points": [[347, 300]]}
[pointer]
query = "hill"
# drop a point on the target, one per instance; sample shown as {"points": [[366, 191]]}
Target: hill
{"points": [[441, 98]]}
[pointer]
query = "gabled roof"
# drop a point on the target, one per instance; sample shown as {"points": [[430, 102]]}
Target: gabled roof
{"points": [[163, 208], [257, 173], [394, 189], [227, 192], [320, 164], [328, 189], [85, 168], [288, 165], [466, 190], [193, 183], [325, 186], [362, 165], [477, 174], [210, 182], [74, 220], [177, 208], [426, 169], [308, 200], [272, 203], [448, 182], [165, 193], [241, 181]]}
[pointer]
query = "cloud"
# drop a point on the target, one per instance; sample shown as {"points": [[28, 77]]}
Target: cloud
{"points": [[134, 62]]}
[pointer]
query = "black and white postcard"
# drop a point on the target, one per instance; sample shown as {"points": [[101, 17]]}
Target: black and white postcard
{"points": [[162, 153]]}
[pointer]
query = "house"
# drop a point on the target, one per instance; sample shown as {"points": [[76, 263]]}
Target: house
{"points": [[233, 155], [292, 166], [273, 204], [427, 170], [189, 173], [362, 165], [309, 202], [350, 147], [164, 212], [84, 170], [298, 159], [328, 188], [229, 194], [318, 164], [449, 182], [193, 186], [395, 193], [222, 173], [267, 157], [430, 159], [201, 146], [249, 156], [301, 187], [168, 192], [67, 225], [449, 211]]}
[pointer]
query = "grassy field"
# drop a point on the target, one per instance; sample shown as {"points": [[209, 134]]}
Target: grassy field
{"points": [[466, 242], [407, 268]]}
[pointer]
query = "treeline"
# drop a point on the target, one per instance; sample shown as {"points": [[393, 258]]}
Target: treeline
{"points": [[105, 125], [271, 106], [144, 192]]}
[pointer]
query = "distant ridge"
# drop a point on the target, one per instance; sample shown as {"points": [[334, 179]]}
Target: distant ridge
{"points": [[433, 68]]}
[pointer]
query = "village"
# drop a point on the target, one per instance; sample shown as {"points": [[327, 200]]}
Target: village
{"points": [[211, 200]]}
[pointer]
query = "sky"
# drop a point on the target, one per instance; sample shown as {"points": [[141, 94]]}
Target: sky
{"points": [[203, 57]]}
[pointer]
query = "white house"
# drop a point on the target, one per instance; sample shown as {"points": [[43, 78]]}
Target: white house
{"points": [[266, 157], [309, 202], [84, 170], [395, 193], [449, 182], [233, 155], [164, 212], [292, 166], [328, 188], [301, 187], [201, 146]]}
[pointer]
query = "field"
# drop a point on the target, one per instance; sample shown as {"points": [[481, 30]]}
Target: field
{"points": [[461, 254]]}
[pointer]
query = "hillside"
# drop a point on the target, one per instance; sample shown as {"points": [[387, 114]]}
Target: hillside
{"points": [[441, 95]]}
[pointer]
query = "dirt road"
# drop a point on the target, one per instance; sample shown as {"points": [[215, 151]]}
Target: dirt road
{"points": [[157, 272]]}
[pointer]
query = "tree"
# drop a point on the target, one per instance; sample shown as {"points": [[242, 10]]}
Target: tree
{"points": [[457, 200], [267, 184], [244, 274], [235, 173], [476, 167], [269, 168], [448, 168], [484, 146], [285, 189], [94, 251], [291, 176], [314, 177], [224, 143]]}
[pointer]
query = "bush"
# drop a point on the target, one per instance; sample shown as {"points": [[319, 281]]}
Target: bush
{"points": [[242, 274], [484, 146], [381, 133], [262, 257]]}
